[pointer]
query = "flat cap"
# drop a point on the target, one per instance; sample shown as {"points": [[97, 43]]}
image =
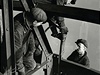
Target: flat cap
{"points": [[39, 14], [83, 41]]}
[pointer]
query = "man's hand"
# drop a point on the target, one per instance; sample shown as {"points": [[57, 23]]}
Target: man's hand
{"points": [[64, 30]]}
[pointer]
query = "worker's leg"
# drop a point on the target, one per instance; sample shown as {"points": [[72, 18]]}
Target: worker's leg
{"points": [[20, 66]]}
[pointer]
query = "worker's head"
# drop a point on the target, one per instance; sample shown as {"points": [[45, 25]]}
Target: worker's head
{"points": [[36, 17], [82, 44]]}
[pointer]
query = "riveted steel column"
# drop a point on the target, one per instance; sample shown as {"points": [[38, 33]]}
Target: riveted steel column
{"points": [[7, 14], [11, 25]]}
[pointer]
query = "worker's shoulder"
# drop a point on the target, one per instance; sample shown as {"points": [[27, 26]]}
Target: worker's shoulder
{"points": [[18, 23], [19, 16]]}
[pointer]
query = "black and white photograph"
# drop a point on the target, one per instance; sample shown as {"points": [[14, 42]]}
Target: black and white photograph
{"points": [[49, 37]]}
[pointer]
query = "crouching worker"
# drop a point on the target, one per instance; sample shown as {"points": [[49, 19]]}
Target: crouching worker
{"points": [[24, 39], [80, 54], [58, 20]]}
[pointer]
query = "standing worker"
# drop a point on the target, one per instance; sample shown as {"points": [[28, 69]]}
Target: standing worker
{"points": [[24, 39], [80, 54]]}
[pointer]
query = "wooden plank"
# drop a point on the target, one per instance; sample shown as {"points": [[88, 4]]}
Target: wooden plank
{"points": [[37, 69], [40, 70]]}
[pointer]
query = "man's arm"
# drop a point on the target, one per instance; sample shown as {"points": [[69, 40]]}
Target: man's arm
{"points": [[18, 37], [86, 62], [61, 23]]}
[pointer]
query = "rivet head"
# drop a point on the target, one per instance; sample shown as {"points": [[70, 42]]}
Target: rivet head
{"points": [[7, 29]]}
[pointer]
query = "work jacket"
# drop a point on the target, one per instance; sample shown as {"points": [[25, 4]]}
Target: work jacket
{"points": [[20, 31], [76, 57], [24, 43]]}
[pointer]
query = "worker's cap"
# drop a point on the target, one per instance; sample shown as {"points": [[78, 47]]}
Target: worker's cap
{"points": [[73, 1], [84, 42], [39, 14]]}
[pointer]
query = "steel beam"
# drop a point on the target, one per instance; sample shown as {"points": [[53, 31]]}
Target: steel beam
{"points": [[68, 12], [11, 25], [72, 12], [71, 68], [7, 14]]}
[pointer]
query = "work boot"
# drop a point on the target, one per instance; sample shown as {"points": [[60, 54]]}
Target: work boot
{"points": [[21, 71], [29, 63]]}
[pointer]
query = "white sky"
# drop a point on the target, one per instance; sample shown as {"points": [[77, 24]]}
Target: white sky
{"points": [[89, 4]]}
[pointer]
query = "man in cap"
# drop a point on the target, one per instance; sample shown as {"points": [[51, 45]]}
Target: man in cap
{"points": [[25, 40], [80, 54]]}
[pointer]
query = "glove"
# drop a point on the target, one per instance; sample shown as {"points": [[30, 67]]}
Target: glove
{"points": [[64, 30], [37, 52]]}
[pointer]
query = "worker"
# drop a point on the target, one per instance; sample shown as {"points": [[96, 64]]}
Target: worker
{"points": [[55, 20], [23, 23], [80, 54]]}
